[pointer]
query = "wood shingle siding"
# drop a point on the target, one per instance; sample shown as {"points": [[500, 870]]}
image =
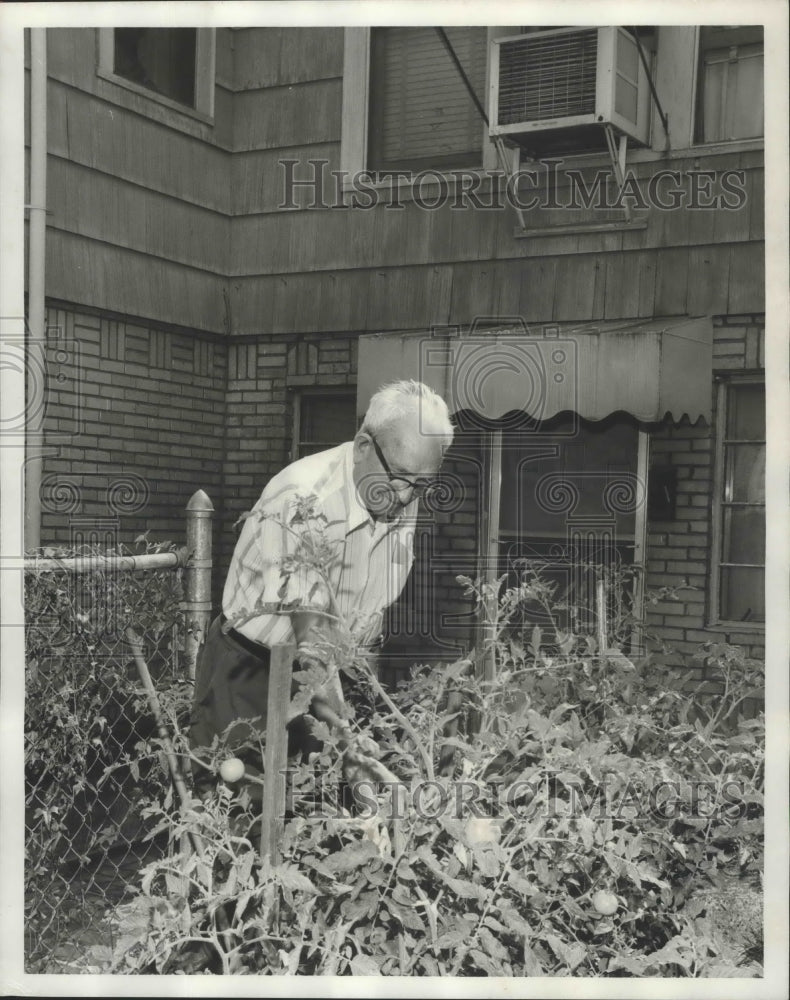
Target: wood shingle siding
{"points": [[167, 217]]}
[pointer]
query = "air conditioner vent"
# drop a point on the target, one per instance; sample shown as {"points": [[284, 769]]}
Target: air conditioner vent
{"points": [[552, 88], [550, 77]]}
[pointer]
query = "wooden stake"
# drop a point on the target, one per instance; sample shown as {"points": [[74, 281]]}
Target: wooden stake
{"points": [[275, 758], [600, 616]]}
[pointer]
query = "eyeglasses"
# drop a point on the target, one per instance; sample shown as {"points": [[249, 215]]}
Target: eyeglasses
{"points": [[421, 487]]}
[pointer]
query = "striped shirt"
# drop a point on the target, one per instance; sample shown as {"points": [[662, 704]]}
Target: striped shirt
{"points": [[368, 560]]}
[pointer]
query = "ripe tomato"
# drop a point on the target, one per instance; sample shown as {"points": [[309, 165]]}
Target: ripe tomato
{"points": [[605, 902], [231, 769]]}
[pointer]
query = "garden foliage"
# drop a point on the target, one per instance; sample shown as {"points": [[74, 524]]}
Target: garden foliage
{"points": [[545, 807]]}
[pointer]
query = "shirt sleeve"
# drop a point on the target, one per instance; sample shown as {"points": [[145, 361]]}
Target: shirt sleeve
{"points": [[303, 555], [278, 554], [275, 565]]}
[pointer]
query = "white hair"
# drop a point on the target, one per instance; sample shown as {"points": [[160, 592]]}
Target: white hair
{"points": [[397, 399]]}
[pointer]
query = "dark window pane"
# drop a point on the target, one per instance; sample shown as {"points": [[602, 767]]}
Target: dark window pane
{"points": [[745, 473], [744, 535], [742, 594], [569, 568], [591, 474], [159, 59], [742, 540], [421, 114], [746, 412], [325, 421]]}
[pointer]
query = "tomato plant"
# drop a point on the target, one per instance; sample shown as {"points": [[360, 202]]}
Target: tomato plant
{"points": [[571, 817], [84, 713], [541, 807]]}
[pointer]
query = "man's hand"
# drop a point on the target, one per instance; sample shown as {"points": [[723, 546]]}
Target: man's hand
{"points": [[359, 751], [347, 740], [360, 766]]}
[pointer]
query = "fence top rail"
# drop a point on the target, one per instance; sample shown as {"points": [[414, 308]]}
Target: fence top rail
{"points": [[90, 562]]}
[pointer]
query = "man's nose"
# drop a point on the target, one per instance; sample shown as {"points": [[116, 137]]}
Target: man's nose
{"points": [[405, 493]]}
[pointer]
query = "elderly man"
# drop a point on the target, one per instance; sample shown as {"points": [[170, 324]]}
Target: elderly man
{"points": [[367, 490]]}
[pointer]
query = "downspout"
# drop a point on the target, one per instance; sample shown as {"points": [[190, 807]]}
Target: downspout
{"points": [[36, 332]]}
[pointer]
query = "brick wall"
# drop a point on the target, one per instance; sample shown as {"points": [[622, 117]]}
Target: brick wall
{"points": [[134, 424], [678, 551]]}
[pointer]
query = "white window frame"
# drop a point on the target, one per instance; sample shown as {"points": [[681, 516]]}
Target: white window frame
{"points": [[356, 107], [205, 64], [723, 386]]}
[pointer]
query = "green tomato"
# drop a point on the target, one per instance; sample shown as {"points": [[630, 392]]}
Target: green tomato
{"points": [[231, 769], [605, 902], [481, 830]]}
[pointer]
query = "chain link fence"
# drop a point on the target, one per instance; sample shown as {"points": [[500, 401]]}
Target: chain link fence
{"points": [[88, 771]]}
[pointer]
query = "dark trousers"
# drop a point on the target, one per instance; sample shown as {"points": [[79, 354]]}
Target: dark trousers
{"points": [[232, 686]]}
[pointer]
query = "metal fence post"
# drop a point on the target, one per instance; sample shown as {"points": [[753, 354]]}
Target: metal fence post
{"points": [[197, 581]]}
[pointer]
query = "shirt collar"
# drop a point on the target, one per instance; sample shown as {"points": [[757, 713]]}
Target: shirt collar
{"points": [[356, 512]]}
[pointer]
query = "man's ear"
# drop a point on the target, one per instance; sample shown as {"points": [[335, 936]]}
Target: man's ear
{"points": [[361, 445]]}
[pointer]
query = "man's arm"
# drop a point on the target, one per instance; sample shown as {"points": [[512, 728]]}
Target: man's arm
{"points": [[312, 629], [328, 701]]}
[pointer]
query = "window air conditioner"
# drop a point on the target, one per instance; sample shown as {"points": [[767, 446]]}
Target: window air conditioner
{"points": [[555, 89]]}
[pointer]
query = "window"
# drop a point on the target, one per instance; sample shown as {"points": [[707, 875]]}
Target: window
{"points": [[579, 461], [570, 502], [729, 84], [405, 105], [421, 114], [174, 66], [323, 418], [159, 59], [739, 503]]}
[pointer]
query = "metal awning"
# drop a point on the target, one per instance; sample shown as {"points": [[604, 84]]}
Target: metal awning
{"points": [[649, 369]]}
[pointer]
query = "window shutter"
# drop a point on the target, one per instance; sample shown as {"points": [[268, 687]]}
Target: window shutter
{"points": [[421, 114]]}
